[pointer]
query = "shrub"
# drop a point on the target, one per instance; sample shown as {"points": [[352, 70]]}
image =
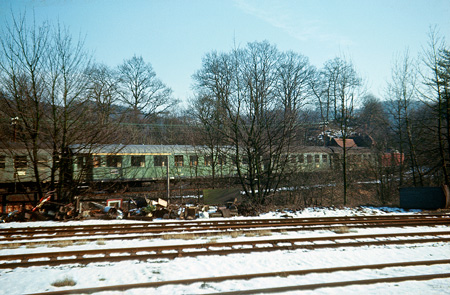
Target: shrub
{"points": [[64, 282]]}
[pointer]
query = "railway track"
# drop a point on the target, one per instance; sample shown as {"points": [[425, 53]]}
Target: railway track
{"points": [[222, 248], [157, 228], [217, 279], [210, 227]]}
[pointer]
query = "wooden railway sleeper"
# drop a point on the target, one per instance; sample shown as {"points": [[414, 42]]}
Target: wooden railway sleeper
{"points": [[53, 258]]}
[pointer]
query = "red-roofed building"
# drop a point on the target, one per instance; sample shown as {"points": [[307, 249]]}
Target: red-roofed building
{"points": [[349, 143]]}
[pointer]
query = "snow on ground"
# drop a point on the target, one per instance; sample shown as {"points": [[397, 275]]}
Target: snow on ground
{"points": [[308, 212], [39, 279]]}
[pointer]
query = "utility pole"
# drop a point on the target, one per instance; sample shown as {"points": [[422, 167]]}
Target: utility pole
{"points": [[168, 181]]}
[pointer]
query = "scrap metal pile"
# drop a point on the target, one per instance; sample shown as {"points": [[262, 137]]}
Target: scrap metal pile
{"points": [[136, 209]]}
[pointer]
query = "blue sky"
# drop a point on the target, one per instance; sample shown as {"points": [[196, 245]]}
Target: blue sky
{"points": [[174, 35]]}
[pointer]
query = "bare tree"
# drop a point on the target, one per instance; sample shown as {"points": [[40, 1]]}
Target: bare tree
{"points": [[43, 73], [103, 92], [341, 87], [214, 87], [258, 93], [23, 72], [321, 86], [402, 94], [435, 95], [67, 100], [141, 90], [373, 118]]}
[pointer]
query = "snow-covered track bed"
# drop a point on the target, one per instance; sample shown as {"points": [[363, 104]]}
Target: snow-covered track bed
{"points": [[218, 248], [158, 228], [345, 271], [308, 260]]}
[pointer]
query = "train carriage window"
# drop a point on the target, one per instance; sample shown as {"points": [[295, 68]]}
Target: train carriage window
{"points": [[301, 158], [336, 158], [114, 161], [309, 159], [138, 161], [208, 160], [20, 162], [222, 160], [2, 162], [292, 159], [160, 161], [193, 160], [324, 158], [179, 160], [80, 161], [317, 158], [84, 161], [97, 161]]}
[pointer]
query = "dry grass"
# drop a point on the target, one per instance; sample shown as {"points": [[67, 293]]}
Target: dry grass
{"points": [[180, 236], [143, 238], [101, 242], [236, 234], [233, 234], [10, 246], [81, 242], [264, 233], [64, 282], [61, 244], [50, 244], [213, 241], [341, 230], [33, 245]]}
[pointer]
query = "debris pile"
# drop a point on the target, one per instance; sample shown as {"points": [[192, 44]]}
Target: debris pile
{"points": [[140, 208]]}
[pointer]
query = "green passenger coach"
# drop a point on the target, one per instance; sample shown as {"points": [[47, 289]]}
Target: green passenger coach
{"points": [[149, 162]]}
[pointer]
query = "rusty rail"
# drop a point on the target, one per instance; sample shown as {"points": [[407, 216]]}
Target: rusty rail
{"points": [[180, 223], [337, 284], [273, 274], [222, 248], [190, 226]]}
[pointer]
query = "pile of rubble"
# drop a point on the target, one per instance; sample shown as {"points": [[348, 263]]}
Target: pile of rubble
{"points": [[46, 209], [135, 209], [146, 209]]}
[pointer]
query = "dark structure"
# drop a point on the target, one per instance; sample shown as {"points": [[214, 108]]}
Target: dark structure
{"points": [[428, 198]]}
